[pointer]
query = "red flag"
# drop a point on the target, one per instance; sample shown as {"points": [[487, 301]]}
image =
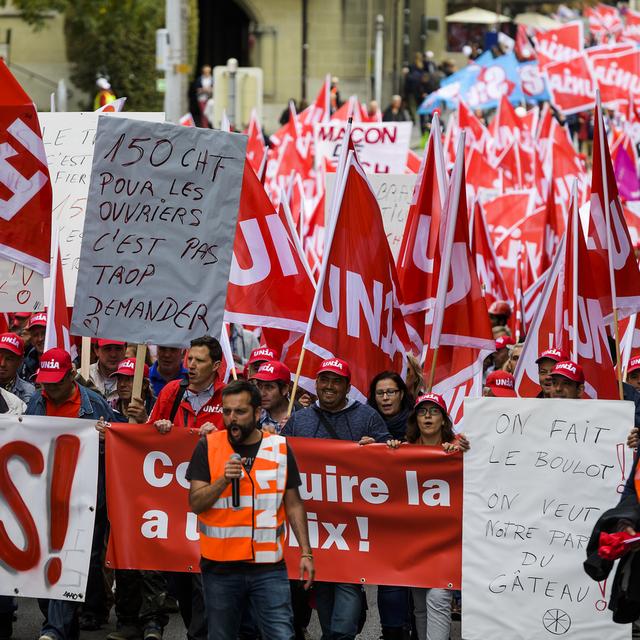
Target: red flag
{"points": [[481, 174], [461, 335], [615, 74], [571, 85], [559, 45], [356, 311], [477, 133], [518, 327], [487, 267], [509, 163], [553, 229], [319, 111], [569, 299], [631, 30], [505, 211], [524, 49], [603, 21], [608, 241], [269, 284], [419, 255], [256, 148], [57, 332], [25, 186]]}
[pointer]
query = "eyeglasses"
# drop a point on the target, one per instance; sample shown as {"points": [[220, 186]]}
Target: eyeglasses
{"points": [[428, 411], [391, 393]]}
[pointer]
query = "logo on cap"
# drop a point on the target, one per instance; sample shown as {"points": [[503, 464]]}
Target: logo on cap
{"points": [[333, 363], [11, 340], [568, 366], [503, 382], [266, 367], [50, 364]]}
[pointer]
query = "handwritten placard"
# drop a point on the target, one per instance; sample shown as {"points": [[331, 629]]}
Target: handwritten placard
{"points": [[393, 193], [382, 147], [68, 141], [20, 288], [538, 476], [158, 233]]}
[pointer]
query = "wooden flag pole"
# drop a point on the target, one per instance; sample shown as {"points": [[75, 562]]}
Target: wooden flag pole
{"points": [[85, 358], [138, 374], [432, 373], [616, 333], [295, 382]]}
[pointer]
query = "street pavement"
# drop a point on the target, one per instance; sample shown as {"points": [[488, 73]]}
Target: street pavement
{"points": [[29, 620]]}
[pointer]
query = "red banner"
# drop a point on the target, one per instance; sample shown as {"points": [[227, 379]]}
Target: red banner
{"points": [[376, 515]]}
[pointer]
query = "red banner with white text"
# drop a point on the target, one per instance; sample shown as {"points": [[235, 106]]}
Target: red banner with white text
{"points": [[376, 515]]}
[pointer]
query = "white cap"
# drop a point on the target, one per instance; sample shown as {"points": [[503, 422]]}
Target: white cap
{"points": [[467, 50], [103, 83]]}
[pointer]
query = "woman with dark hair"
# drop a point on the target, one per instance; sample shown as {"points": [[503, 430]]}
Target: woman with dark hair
{"points": [[429, 425], [389, 396]]}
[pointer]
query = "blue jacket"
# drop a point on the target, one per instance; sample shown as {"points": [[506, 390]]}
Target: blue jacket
{"points": [[353, 422], [158, 382], [92, 406]]}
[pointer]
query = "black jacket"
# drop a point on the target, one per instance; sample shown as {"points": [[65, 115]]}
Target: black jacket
{"points": [[625, 591]]}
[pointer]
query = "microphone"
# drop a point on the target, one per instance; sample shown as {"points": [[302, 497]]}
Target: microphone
{"points": [[235, 484]]}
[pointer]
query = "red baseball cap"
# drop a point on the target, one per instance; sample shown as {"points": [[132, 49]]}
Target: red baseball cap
{"points": [[570, 370], [504, 341], [273, 371], [127, 368], [12, 342], [634, 363], [38, 320], [500, 308], [557, 355], [435, 398], [106, 343], [263, 354], [502, 384], [54, 365], [21, 314], [335, 365]]}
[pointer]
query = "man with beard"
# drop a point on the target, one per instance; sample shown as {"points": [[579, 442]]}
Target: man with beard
{"points": [[242, 551]]}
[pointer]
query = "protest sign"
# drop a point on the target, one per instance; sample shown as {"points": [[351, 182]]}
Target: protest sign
{"points": [[20, 288], [158, 233], [538, 476], [68, 142], [393, 193], [364, 508], [48, 479], [382, 147]]}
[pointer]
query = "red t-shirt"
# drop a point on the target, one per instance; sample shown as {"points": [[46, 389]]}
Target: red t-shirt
{"points": [[68, 409]]}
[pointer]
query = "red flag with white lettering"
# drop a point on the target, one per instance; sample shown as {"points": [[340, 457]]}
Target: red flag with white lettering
{"points": [[25, 186], [419, 256], [608, 241], [571, 85], [461, 335], [559, 45], [356, 311], [269, 285], [486, 262]]}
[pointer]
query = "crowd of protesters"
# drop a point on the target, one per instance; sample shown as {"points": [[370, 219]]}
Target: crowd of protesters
{"points": [[235, 596]]}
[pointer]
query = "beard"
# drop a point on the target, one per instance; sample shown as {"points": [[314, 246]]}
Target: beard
{"points": [[244, 431]]}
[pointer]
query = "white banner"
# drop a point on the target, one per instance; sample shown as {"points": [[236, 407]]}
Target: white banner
{"points": [[393, 193], [382, 147], [48, 480], [538, 476], [21, 289], [68, 141]]}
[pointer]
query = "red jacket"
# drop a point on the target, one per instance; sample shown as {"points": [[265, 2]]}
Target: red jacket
{"points": [[186, 416]]}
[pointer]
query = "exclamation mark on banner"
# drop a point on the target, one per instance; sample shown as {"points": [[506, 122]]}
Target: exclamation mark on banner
{"points": [[363, 525], [622, 462], [67, 449]]}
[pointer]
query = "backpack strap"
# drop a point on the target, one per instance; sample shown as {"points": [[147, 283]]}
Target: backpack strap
{"points": [[178, 399]]}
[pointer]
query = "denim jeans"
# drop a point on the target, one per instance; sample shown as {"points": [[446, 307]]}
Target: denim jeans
{"points": [[432, 612], [393, 606], [339, 606], [267, 592]]}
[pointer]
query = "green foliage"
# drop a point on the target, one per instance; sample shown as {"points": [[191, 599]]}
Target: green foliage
{"points": [[115, 38], [34, 11]]}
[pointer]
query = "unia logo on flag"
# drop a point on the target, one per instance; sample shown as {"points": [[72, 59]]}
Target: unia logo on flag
{"points": [[23, 189]]}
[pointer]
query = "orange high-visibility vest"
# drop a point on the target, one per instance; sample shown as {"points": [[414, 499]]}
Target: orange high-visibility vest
{"points": [[254, 532]]}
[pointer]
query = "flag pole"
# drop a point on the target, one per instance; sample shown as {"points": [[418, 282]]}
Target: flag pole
{"points": [[607, 212], [295, 382], [432, 373], [138, 374]]}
